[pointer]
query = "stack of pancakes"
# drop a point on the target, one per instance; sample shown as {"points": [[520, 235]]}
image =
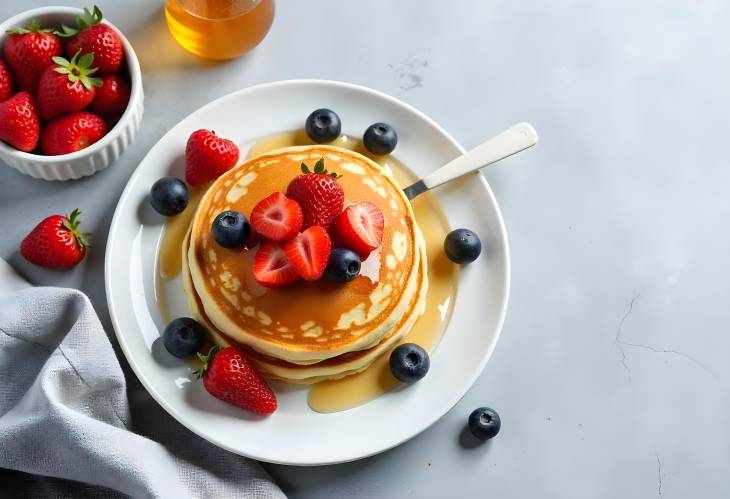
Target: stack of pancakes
{"points": [[310, 331]]}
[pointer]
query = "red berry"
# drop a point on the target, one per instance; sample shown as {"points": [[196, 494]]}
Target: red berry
{"points": [[319, 194], [67, 86], [308, 252], [277, 217], [72, 132], [208, 156], [112, 96], [271, 267], [6, 82], [28, 52], [56, 242], [229, 376], [19, 122], [360, 228], [90, 36]]}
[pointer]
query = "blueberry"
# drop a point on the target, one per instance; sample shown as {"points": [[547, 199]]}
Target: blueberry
{"points": [[169, 196], [230, 229], [323, 125], [380, 138], [183, 337], [342, 266], [484, 423], [409, 362], [462, 246]]}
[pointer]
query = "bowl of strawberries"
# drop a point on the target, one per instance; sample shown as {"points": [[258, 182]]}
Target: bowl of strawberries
{"points": [[71, 97]]}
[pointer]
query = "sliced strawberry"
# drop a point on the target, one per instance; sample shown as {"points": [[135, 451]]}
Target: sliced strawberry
{"points": [[271, 267], [277, 217], [309, 252], [360, 228]]}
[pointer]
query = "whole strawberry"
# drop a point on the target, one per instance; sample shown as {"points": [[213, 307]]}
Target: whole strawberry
{"points": [[56, 242], [90, 36], [112, 96], [229, 376], [6, 82], [319, 194], [72, 132], [28, 52], [20, 125], [208, 156], [67, 86]]}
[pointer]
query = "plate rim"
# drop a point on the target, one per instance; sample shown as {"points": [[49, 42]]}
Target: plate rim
{"points": [[148, 385]]}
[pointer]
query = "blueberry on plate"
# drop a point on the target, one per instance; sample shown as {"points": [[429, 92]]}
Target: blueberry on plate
{"points": [[462, 246], [323, 125], [183, 337], [409, 362], [230, 229], [169, 196], [343, 265], [484, 423], [380, 138]]}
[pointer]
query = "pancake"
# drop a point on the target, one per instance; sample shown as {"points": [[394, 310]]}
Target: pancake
{"points": [[333, 368], [308, 322]]}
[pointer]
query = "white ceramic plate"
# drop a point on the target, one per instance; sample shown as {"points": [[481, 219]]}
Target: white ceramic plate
{"points": [[295, 434]]}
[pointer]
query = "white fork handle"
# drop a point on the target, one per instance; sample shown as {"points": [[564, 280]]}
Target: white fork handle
{"points": [[513, 140]]}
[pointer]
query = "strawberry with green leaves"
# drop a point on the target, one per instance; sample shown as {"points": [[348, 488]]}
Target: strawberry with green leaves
{"points": [[93, 36], [67, 86], [318, 193], [56, 242], [230, 376], [28, 52]]}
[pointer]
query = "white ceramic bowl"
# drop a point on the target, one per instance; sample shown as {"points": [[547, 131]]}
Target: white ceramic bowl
{"points": [[98, 155]]}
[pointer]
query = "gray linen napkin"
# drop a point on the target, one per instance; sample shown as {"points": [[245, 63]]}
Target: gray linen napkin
{"points": [[64, 413]]}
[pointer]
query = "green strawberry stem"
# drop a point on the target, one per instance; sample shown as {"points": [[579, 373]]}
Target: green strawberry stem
{"points": [[72, 225], [319, 168], [89, 18], [78, 69], [33, 27], [206, 360]]}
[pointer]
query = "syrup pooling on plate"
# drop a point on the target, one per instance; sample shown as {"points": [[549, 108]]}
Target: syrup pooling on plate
{"points": [[354, 390], [176, 226]]}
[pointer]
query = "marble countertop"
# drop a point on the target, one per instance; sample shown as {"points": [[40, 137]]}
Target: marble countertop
{"points": [[611, 375]]}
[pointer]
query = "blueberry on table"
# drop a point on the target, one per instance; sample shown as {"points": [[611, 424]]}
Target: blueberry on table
{"points": [[169, 196], [323, 125], [462, 246], [409, 362], [484, 423], [343, 265], [183, 337], [380, 138], [230, 229]]}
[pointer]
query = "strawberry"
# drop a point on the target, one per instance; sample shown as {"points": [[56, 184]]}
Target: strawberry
{"points": [[229, 376], [360, 228], [67, 86], [100, 39], [72, 132], [56, 242], [28, 52], [208, 156], [277, 217], [20, 125], [308, 252], [271, 267], [319, 194], [112, 96], [6, 81]]}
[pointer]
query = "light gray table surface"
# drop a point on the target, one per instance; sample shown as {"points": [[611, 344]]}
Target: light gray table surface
{"points": [[612, 373]]}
